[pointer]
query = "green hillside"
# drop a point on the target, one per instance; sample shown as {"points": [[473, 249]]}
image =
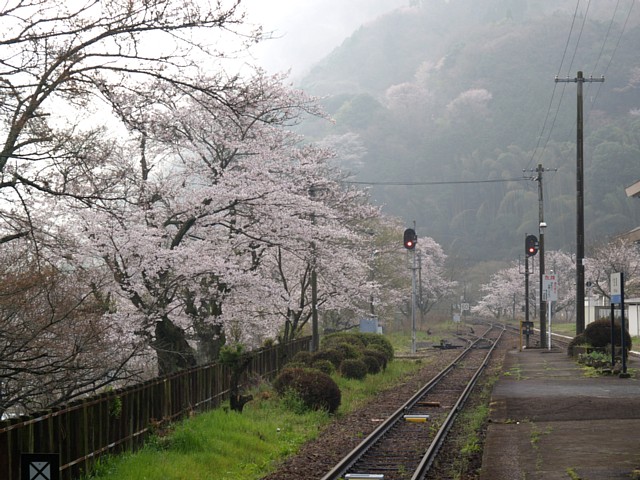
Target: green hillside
{"points": [[456, 94]]}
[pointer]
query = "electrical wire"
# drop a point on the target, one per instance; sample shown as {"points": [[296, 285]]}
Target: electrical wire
{"points": [[452, 182], [615, 49], [555, 85]]}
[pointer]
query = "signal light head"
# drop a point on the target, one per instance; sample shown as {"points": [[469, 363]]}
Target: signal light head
{"points": [[410, 239], [531, 245]]}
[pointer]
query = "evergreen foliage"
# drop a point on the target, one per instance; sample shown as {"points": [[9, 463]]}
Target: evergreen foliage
{"points": [[353, 368], [317, 390], [459, 91]]}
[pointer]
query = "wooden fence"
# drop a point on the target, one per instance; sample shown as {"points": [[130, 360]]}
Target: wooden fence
{"points": [[120, 420]]}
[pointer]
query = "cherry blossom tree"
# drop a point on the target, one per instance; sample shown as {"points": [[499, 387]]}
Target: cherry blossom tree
{"points": [[226, 213], [619, 255], [55, 342], [503, 294], [58, 60], [563, 266], [433, 282], [61, 61]]}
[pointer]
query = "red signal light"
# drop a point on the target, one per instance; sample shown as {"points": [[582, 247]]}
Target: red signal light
{"points": [[410, 239]]}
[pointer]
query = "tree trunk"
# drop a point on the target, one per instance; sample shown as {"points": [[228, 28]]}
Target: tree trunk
{"points": [[171, 346]]}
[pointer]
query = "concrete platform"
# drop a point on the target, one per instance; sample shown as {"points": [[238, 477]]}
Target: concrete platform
{"points": [[549, 420]]}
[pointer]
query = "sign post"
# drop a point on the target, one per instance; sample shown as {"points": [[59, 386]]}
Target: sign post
{"points": [[549, 295], [616, 287]]}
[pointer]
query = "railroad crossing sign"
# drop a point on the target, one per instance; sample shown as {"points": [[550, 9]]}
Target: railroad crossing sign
{"points": [[40, 466], [550, 288]]}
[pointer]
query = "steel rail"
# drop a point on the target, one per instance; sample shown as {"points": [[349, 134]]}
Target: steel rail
{"points": [[440, 437], [341, 468]]}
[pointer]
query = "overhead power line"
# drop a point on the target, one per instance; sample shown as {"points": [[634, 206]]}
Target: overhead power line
{"points": [[450, 182]]}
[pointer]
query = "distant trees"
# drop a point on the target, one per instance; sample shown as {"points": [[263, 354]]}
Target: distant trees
{"points": [[454, 111], [504, 293], [617, 256]]}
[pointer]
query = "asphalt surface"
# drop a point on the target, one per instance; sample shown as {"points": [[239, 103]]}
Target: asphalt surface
{"points": [[549, 420]]}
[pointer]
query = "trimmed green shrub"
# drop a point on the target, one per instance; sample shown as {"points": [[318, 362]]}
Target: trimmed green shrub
{"points": [[375, 340], [331, 354], [598, 333], [315, 389], [303, 357], [349, 351], [335, 339], [325, 366], [353, 368], [379, 355], [576, 341], [360, 341], [372, 363]]}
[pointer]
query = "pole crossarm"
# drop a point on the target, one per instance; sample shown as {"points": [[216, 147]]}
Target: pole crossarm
{"points": [[578, 79]]}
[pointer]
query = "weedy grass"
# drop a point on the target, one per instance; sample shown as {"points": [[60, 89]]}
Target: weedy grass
{"points": [[227, 445], [472, 423]]}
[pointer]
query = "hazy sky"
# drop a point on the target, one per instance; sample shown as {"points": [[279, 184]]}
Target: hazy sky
{"points": [[307, 30]]}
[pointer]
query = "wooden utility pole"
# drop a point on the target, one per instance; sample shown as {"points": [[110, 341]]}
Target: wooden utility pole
{"points": [[579, 80], [541, 228]]}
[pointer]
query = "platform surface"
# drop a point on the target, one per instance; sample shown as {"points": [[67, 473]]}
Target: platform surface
{"points": [[550, 420]]}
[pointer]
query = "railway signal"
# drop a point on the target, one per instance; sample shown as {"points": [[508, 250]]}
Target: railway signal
{"points": [[531, 245], [410, 239]]}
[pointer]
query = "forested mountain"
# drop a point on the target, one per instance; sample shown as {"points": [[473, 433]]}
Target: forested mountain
{"points": [[450, 92]]}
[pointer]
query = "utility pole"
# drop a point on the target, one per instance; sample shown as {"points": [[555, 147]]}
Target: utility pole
{"points": [[541, 225], [579, 80]]}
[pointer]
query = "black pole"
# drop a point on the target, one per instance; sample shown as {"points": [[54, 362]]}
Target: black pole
{"points": [[580, 321], [622, 327], [613, 337], [526, 298], [580, 213]]}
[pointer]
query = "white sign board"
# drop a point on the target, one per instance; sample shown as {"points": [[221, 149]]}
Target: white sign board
{"points": [[550, 288], [615, 284]]}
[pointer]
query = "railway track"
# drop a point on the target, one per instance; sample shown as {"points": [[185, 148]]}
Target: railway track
{"points": [[405, 445]]}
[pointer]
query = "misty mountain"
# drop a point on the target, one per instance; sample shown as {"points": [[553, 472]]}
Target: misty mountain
{"points": [[459, 96]]}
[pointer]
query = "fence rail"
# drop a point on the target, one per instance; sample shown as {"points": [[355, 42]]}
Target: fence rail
{"points": [[120, 420]]}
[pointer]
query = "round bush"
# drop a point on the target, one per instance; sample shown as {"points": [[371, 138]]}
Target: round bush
{"points": [[349, 351], [335, 339], [331, 354], [303, 357], [353, 368], [380, 342], [372, 363], [325, 366], [375, 352], [315, 389], [598, 333]]}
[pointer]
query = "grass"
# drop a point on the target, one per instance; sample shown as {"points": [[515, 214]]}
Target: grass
{"points": [[472, 422], [401, 340], [226, 445]]}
